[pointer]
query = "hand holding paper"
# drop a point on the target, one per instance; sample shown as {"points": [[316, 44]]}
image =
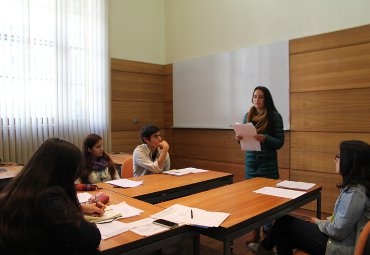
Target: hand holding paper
{"points": [[247, 131]]}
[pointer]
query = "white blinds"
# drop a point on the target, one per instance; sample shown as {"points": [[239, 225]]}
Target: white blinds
{"points": [[53, 73]]}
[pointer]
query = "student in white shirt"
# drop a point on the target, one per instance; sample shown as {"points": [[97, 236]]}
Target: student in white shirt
{"points": [[151, 156]]}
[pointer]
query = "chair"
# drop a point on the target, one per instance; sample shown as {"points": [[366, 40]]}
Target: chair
{"points": [[363, 242], [127, 170]]}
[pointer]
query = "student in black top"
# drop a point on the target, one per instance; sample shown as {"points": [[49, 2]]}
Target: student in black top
{"points": [[39, 209]]}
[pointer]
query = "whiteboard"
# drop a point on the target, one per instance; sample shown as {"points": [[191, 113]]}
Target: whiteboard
{"points": [[215, 91]]}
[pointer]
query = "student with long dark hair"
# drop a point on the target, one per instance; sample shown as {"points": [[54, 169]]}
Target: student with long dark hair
{"points": [[97, 165], [39, 209], [338, 234]]}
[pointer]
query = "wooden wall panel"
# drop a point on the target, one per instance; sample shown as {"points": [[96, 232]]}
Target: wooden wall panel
{"points": [[315, 151], [137, 87], [340, 68], [136, 67], [329, 191], [284, 152], [331, 111], [352, 36]]}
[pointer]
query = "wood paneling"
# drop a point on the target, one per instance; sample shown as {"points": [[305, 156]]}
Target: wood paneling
{"points": [[137, 67], [284, 152], [331, 111], [328, 182], [137, 87], [352, 36], [340, 68], [124, 114], [315, 151]]}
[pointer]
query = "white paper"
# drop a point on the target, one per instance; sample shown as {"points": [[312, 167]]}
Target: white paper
{"points": [[113, 228], [247, 131], [140, 223], [184, 171], [83, 197], [125, 183], [149, 229], [278, 192], [126, 210], [182, 214], [295, 185]]}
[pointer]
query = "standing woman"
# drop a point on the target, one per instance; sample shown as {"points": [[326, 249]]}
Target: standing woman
{"points": [[338, 234], [269, 125], [39, 209], [97, 165]]}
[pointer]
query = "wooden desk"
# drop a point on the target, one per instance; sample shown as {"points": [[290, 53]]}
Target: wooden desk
{"points": [[249, 210], [12, 169], [162, 187], [131, 243]]}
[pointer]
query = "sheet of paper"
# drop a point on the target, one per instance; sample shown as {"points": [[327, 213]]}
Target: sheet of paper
{"points": [[295, 185], [113, 228], [184, 171], [125, 183], [146, 227], [126, 210], [182, 214], [140, 223], [247, 131], [278, 192], [83, 197]]}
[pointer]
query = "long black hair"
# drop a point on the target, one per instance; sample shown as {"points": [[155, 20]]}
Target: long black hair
{"points": [[354, 164], [55, 164]]}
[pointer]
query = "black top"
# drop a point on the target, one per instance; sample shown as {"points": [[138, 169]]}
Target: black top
{"points": [[59, 228]]}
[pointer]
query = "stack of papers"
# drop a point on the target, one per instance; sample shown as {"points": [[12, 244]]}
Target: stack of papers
{"points": [[125, 183], [277, 192], [247, 131], [295, 185], [184, 171], [111, 229], [192, 216]]}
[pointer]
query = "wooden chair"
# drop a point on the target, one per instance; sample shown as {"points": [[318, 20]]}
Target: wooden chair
{"points": [[363, 242], [127, 170]]}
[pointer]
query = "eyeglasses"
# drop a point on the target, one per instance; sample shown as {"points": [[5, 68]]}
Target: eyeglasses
{"points": [[337, 157]]}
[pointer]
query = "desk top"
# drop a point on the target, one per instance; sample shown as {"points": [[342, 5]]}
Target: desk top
{"points": [[12, 170], [155, 183], [239, 200], [128, 240]]}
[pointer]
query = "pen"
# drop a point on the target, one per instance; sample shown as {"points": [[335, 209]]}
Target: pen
{"points": [[96, 200], [191, 213]]}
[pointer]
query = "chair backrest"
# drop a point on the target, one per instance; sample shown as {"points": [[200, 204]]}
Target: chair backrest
{"points": [[127, 170], [363, 242]]}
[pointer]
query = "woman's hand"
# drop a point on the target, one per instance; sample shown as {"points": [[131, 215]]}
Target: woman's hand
{"points": [[238, 138], [260, 137], [313, 220], [96, 208]]}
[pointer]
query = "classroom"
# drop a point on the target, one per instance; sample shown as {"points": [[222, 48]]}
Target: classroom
{"points": [[142, 40]]}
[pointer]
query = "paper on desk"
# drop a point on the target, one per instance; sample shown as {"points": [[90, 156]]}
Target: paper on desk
{"points": [[113, 228], [83, 197], [184, 171], [295, 185], [278, 192], [182, 214], [126, 210], [149, 229], [247, 131], [125, 183], [109, 215]]}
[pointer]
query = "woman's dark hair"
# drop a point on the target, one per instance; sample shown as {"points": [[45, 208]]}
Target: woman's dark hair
{"points": [[55, 164], [88, 158], [148, 131], [269, 106], [355, 164]]}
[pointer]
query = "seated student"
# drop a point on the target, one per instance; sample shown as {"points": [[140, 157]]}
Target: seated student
{"points": [[351, 212], [39, 209], [151, 156], [97, 165]]}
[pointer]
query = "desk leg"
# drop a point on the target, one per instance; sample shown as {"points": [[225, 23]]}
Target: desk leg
{"points": [[318, 210], [196, 244], [227, 247]]}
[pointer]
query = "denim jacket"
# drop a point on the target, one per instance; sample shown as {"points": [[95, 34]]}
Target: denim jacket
{"points": [[351, 213]]}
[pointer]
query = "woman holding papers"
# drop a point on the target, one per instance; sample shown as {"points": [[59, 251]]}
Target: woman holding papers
{"points": [[39, 209], [97, 165], [337, 234], [269, 125]]}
